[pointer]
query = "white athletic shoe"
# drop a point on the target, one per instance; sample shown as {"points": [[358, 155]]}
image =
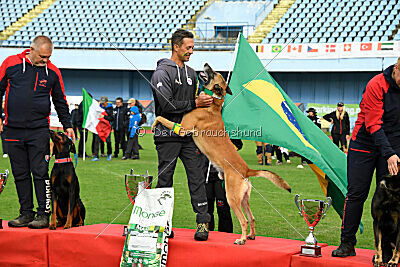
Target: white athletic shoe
{"points": [[273, 157], [5, 156], [300, 166], [288, 161]]}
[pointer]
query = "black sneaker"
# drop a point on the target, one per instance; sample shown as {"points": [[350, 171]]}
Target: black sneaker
{"points": [[202, 232], [135, 157], [124, 158], [41, 221], [22, 221], [345, 249]]}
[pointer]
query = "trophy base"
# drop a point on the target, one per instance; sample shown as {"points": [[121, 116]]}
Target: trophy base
{"points": [[1, 223], [311, 251]]}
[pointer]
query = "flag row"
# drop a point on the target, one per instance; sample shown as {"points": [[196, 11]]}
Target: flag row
{"points": [[328, 50]]}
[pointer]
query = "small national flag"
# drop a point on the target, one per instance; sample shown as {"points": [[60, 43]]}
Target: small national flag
{"points": [[92, 119], [330, 48], [366, 46], [347, 48], [276, 48], [260, 102], [260, 48], [386, 46], [294, 48], [311, 50]]}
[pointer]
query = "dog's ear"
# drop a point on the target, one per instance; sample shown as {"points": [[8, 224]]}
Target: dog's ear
{"points": [[228, 90]]}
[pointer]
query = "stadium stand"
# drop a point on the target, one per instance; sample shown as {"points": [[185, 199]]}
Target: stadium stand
{"points": [[126, 24], [321, 21]]}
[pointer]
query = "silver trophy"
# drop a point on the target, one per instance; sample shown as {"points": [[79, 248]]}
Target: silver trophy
{"points": [[3, 181], [312, 211]]}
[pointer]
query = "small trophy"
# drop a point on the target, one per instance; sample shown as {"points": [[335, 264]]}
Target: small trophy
{"points": [[132, 184], [312, 211], [3, 181]]}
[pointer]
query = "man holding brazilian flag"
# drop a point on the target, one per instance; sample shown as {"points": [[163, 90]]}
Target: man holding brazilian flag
{"points": [[257, 101]]}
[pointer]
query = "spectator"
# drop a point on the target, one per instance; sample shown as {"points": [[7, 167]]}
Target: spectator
{"points": [[97, 141], [174, 87], [216, 194], [132, 150], [119, 126], [30, 76], [79, 122], [281, 151], [74, 120], [266, 149], [312, 115], [341, 126]]}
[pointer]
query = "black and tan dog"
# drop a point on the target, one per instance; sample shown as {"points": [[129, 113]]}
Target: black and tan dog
{"points": [[68, 209], [207, 128], [386, 214]]}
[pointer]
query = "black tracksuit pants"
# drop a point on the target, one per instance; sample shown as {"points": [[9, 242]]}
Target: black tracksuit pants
{"points": [[98, 142], [339, 138], [119, 137], [4, 143], [168, 153], [216, 193], [29, 151], [80, 147], [133, 146], [362, 160]]}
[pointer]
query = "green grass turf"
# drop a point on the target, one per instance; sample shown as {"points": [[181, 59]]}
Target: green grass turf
{"points": [[104, 195]]}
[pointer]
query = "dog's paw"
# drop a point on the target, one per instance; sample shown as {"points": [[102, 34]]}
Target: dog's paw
{"points": [[67, 226], [251, 237], [52, 227], [240, 242], [392, 263]]}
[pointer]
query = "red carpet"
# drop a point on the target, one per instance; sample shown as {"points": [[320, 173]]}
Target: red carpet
{"points": [[79, 247]]}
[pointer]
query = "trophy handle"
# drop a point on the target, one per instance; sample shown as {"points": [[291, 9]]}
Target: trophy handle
{"points": [[296, 201], [327, 206]]}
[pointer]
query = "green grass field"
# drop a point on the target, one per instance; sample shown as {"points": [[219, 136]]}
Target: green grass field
{"points": [[103, 193]]}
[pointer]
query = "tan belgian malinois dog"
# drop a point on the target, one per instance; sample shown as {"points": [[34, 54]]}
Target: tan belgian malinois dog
{"points": [[208, 132]]}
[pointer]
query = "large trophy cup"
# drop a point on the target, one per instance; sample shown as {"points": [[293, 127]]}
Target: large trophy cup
{"points": [[3, 181], [312, 211], [132, 183]]}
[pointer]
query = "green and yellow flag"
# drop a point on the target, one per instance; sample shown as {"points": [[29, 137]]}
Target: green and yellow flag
{"points": [[260, 110]]}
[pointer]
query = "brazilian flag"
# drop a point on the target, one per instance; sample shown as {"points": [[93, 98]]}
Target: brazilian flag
{"points": [[259, 105]]}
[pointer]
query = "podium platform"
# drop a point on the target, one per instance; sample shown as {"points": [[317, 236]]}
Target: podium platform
{"points": [[80, 247]]}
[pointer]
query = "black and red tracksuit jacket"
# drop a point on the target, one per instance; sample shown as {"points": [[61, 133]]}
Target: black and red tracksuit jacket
{"points": [[27, 90], [378, 122]]}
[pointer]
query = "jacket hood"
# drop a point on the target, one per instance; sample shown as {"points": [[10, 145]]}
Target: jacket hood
{"points": [[166, 61], [134, 109], [23, 57], [387, 73]]}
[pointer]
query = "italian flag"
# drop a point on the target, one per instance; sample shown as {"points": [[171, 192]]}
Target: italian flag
{"points": [[91, 117]]}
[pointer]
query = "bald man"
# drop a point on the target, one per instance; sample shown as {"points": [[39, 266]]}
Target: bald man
{"points": [[28, 80]]}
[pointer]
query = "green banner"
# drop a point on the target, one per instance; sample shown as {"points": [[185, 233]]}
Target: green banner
{"points": [[322, 109]]}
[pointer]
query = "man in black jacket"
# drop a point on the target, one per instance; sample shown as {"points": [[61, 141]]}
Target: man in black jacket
{"points": [[374, 145], [341, 126], [174, 87], [120, 112], [97, 141], [28, 80]]}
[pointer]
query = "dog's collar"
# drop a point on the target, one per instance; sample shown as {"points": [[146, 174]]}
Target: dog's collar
{"points": [[211, 93], [63, 160]]}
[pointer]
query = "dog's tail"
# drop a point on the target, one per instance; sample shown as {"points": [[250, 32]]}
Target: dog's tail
{"points": [[273, 177]]}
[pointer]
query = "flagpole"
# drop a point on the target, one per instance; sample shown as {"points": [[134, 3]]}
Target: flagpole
{"points": [[84, 143], [233, 58]]}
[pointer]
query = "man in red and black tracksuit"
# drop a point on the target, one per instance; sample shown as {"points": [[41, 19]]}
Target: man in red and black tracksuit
{"points": [[28, 80], [374, 145]]}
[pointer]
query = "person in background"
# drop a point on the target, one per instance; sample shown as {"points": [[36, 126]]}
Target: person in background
{"points": [[132, 150], [109, 109], [215, 188], [74, 120], [79, 124], [267, 149], [341, 126], [281, 151], [119, 126], [312, 115]]}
